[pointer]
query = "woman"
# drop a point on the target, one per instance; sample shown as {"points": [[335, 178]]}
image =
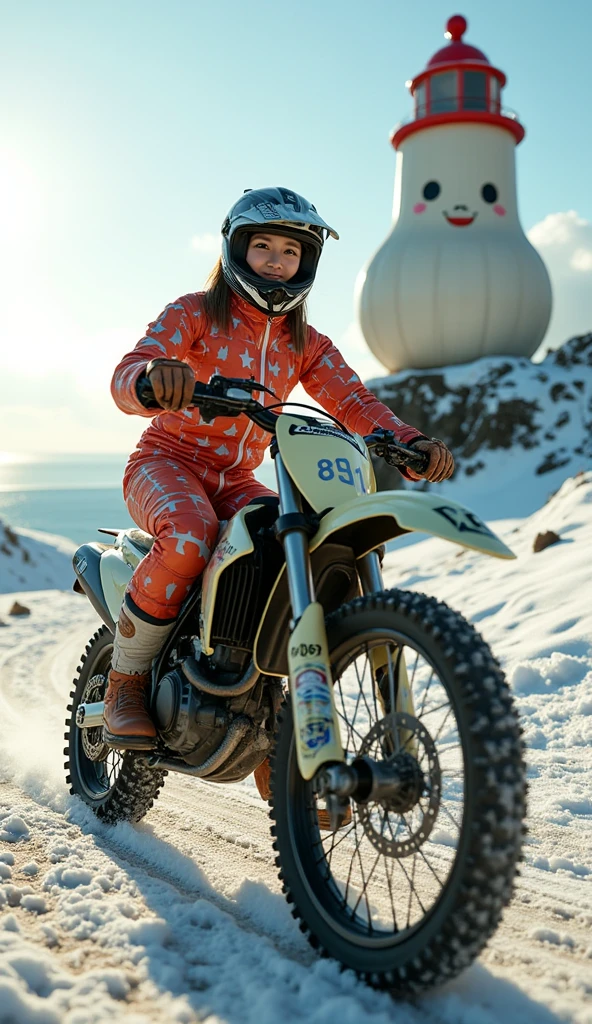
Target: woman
{"points": [[187, 475]]}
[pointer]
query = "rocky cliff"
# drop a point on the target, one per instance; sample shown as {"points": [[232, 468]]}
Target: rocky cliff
{"points": [[537, 413]]}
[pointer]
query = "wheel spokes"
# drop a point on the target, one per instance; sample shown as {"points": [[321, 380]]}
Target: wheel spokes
{"points": [[359, 871]]}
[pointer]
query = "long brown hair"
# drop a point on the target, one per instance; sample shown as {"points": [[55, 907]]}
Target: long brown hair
{"points": [[216, 302]]}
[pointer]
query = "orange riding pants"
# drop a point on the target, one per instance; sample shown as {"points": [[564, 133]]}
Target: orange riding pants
{"points": [[180, 502]]}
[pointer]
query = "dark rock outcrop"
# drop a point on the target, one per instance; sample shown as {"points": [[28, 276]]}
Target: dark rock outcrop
{"points": [[500, 404], [544, 540], [19, 609]]}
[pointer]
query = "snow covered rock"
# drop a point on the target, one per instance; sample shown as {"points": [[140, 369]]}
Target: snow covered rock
{"points": [[30, 560], [540, 414]]}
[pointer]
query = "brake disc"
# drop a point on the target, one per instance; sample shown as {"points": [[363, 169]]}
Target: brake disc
{"points": [[421, 788]]}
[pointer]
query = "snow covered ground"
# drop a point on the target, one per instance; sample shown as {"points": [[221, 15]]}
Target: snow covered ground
{"points": [[32, 560], [181, 918]]}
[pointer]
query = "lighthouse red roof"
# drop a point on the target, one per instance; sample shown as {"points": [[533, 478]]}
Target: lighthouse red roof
{"points": [[456, 50], [458, 85]]}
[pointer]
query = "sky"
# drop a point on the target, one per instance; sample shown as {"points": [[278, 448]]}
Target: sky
{"points": [[128, 129]]}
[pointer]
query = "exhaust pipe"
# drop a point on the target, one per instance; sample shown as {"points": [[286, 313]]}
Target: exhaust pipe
{"points": [[244, 684], [90, 716]]}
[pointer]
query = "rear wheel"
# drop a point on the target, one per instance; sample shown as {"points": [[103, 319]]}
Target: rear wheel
{"points": [[117, 785], [408, 894]]}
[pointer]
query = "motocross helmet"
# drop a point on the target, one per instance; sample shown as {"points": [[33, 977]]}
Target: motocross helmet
{"points": [[272, 211]]}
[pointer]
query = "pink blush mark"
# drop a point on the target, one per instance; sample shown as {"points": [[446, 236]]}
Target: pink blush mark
{"points": [[500, 210], [419, 207]]}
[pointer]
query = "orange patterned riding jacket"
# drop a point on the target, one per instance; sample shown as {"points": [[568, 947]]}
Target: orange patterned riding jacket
{"points": [[255, 345]]}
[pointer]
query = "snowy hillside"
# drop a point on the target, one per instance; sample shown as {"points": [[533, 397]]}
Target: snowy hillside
{"points": [[516, 428], [31, 560], [181, 919]]}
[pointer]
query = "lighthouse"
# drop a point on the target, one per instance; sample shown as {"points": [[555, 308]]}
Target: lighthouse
{"points": [[456, 279]]}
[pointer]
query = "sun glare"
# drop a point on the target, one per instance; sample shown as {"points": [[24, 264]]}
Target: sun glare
{"points": [[18, 197], [12, 458]]}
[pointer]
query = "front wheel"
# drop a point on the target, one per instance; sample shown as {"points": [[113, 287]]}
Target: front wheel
{"points": [[409, 891]]}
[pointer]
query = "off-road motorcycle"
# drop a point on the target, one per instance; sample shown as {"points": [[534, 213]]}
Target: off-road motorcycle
{"points": [[382, 710]]}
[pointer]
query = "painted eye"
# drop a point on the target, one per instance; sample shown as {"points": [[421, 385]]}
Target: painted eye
{"points": [[489, 193], [431, 190]]}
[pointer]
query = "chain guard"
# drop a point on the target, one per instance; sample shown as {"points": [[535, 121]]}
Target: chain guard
{"points": [[381, 734]]}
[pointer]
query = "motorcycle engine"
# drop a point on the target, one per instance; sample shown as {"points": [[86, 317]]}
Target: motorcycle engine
{"points": [[189, 722]]}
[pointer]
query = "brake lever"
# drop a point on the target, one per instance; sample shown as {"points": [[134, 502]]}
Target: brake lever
{"points": [[396, 453], [224, 384]]}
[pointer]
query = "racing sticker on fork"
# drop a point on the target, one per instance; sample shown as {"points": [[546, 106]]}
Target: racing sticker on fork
{"points": [[314, 707], [316, 724]]}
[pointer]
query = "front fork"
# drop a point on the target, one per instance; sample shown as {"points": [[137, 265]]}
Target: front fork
{"points": [[389, 669], [316, 723]]}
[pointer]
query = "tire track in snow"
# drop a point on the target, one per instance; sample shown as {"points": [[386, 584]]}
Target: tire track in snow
{"points": [[209, 845]]}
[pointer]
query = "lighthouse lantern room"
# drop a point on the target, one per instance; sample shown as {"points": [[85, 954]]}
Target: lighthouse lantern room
{"points": [[458, 84]]}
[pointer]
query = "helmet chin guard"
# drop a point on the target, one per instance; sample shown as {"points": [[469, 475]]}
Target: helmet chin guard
{"points": [[272, 211]]}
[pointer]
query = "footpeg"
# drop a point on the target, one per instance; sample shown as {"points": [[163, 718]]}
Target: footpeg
{"points": [[337, 814]]}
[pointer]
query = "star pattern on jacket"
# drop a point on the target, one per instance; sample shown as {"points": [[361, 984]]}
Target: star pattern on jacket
{"points": [[262, 348]]}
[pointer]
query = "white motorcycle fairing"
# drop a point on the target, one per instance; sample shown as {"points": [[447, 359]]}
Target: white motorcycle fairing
{"points": [[362, 525], [407, 511]]}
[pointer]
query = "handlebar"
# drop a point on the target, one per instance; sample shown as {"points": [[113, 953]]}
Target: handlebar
{"points": [[229, 396], [221, 396]]}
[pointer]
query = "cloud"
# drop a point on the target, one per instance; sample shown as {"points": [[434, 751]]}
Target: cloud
{"points": [[564, 240], [582, 259], [64, 412], [353, 347], [206, 243]]}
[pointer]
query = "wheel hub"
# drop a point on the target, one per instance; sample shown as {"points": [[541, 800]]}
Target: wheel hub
{"points": [[392, 784], [410, 784]]}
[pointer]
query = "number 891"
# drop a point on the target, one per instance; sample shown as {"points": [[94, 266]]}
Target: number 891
{"points": [[340, 468]]}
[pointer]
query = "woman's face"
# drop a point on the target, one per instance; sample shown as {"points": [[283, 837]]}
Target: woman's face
{"points": [[274, 257]]}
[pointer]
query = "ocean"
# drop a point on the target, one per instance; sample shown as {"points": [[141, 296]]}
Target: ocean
{"points": [[70, 495]]}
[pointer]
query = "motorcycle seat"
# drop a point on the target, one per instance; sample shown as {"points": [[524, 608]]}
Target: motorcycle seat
{"points": [[141, 540]]}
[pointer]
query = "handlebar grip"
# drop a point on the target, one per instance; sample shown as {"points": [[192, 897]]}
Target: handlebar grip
{"points": [[401, 455], [419, 463], [211, 404], [145, 393]]}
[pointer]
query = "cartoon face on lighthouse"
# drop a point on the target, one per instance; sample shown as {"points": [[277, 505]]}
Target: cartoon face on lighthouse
{"points": [[456, 279]]}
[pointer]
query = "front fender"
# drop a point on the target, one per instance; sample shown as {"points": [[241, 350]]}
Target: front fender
{"points": [[367, 522]]}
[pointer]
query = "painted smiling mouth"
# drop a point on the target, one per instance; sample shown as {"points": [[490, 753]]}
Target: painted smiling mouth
{"points": [[460, 222]]}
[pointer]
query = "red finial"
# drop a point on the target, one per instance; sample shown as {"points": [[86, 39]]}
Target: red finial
{"points": [[455, 28]]}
